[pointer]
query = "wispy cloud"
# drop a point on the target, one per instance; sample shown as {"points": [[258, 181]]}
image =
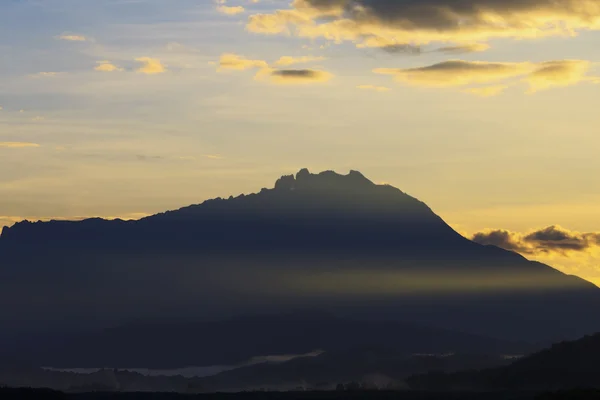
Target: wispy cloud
{"points": [[72, 37], [374, 88], [230, 61], [231, 10], [17, 145], [456, 73], [287, 60]]}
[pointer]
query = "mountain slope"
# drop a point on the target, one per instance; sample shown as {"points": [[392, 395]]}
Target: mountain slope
{"points": [[328, 241]]}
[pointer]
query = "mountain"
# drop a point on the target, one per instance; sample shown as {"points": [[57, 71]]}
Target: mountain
{"points": [[565, 365], [338, 243]]}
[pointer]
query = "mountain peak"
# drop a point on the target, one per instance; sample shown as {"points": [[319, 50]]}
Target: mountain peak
{"points": [[326, 180]]}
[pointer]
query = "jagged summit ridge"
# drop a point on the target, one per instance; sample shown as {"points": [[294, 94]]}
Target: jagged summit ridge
{"points": [[328, 180]]}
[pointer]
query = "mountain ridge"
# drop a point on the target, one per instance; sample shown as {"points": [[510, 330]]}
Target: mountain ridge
{"points": [[322, 240]]}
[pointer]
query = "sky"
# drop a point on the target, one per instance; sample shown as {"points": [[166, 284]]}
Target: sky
{"points": [[484, 109]]}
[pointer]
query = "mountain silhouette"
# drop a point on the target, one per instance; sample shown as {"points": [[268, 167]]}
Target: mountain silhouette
{"points": [[565, 365], [325, 241]]}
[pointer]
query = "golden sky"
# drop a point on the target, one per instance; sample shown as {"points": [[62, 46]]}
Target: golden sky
{"points": [[484, 109]]}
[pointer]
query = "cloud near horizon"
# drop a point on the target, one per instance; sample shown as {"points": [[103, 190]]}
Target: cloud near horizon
{"points": [[551, 240], [457, 73], [381, 23], [18, 145]]}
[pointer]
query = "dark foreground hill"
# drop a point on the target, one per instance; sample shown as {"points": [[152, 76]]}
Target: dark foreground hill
{"points": [[26, 394], [315, 241], [566, 365]]}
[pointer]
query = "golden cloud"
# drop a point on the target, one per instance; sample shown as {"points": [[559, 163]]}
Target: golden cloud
{"points": [[550, 240], [107, 66], [17, 145], [286, 61], [379, 23], [455, 73], [558, 73], [151, 66], [235, 62], [229, 10]]}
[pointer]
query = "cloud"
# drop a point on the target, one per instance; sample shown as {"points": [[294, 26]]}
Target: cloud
{"points": [[107, 66], [551, 240], [401, 48], [287, 60], [380, 23], [467, 48], [487, 91], [456, 73], [558, 73], [228, 10], [503, 239], [45, 74], [230, 61], [72, 37], [151, 66], [374, 88], [17, 145], [294, 76]]}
